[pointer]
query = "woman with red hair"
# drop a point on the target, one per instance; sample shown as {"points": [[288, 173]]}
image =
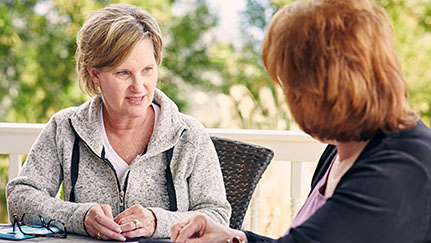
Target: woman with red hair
{"points": [[336, 63]]}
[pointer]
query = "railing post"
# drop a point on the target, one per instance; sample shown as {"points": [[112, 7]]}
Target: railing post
{"points": [[14, 165], [254, 210], [295, 187]]}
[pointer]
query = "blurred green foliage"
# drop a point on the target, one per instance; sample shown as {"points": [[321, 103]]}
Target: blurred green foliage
{"points": [[412, 26], [37, 46]]}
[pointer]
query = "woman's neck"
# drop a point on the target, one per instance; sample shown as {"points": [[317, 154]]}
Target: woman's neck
{"points": [[350, 150], [127, 124], [348, 153]]}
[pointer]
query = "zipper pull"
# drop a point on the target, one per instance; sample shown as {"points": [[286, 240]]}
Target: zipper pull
{"points": [[121, 201]]}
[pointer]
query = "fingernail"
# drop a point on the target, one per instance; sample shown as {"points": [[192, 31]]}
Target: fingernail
{"points": [[123, 239]]}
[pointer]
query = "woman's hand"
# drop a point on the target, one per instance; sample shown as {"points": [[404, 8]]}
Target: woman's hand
{"points": [[136, 221], [100, 224], [202, 229]]}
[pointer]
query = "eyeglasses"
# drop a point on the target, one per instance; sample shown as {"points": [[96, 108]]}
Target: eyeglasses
{"points": [[38, 226]]}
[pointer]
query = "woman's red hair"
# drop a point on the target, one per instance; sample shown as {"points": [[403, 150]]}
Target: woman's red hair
{"points": [[336, 63]]}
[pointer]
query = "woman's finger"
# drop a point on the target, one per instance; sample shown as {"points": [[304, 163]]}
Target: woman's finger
{"points": [[140, 232], [101, 231], [128, 226], [107, 234], [134, 210], [204, 239], [103, 216], [175, 230], [136, 218], [100, 224], [107, 210], [197, 224]]}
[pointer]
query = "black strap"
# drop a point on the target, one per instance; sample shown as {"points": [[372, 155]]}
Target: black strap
{"points": [[169, 181], [74, 168]]}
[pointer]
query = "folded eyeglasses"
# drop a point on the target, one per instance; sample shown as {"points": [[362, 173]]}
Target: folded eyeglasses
{"points": [[38, 226]]}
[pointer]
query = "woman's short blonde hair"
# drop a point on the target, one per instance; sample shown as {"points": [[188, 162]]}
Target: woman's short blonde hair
{"points": [[336, 63], [107, 38]]}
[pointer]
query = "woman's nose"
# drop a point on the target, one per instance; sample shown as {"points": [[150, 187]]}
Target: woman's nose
{"points": [[137, 84]]}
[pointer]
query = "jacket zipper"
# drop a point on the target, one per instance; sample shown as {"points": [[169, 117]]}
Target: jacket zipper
{"points": [[121, 192]]}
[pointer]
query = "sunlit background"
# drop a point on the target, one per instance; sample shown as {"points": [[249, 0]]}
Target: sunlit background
{"points": [[211, 68]]}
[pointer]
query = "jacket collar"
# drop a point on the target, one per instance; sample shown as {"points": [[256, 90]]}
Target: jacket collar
{"points": [[166, 134], [85, 122], [169, 127]]}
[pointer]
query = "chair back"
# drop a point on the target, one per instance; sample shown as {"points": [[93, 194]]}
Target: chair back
{"points": [[242, 165]]}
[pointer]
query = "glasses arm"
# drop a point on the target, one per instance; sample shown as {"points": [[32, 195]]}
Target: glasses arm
{"points": [[15, 222]]}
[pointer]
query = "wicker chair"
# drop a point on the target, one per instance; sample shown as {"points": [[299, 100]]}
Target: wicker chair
{"points": [[242, 166]]}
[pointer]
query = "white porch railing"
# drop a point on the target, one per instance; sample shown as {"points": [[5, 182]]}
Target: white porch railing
{"points": [[294, 147]]}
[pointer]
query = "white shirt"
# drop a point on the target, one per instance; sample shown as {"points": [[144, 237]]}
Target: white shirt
{"points": [[117, 162]]}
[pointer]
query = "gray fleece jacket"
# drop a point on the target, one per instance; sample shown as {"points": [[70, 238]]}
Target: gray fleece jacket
{"points": [[195, 170]]}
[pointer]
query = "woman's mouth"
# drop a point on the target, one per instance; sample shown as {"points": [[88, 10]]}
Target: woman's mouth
{"points": [[136, 100]]}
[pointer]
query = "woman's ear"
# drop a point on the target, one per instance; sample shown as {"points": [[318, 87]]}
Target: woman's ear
{"points": [[94, 75]]}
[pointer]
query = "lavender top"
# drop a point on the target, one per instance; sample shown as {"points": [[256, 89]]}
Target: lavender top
{"points": [[313, 202]]}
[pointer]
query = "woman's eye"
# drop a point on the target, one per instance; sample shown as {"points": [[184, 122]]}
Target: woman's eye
{"points": [[147, 70], [122, 73]]}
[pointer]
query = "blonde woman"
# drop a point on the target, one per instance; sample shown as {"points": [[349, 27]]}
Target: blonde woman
{"points": [[130, 163], [336, 63]]}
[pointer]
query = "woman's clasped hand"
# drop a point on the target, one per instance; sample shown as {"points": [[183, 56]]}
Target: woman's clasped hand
{"points": [[133, 222]]}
